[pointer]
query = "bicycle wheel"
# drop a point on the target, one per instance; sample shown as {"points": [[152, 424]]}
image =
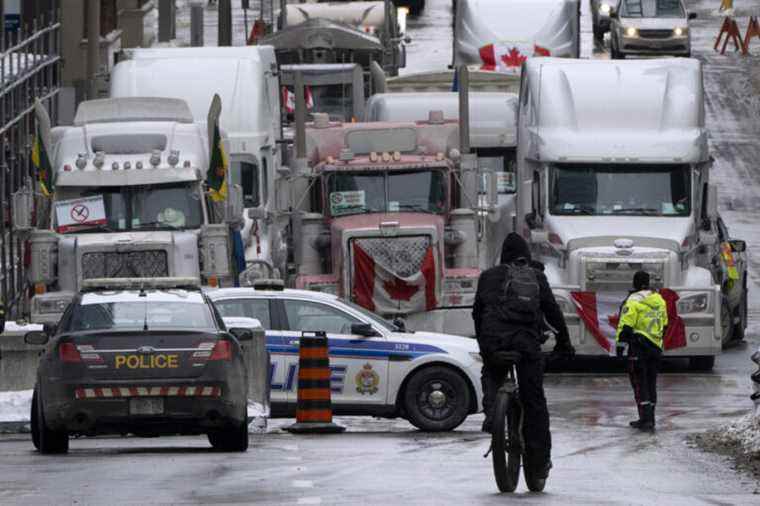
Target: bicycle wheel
{"points": [[505, 442]]}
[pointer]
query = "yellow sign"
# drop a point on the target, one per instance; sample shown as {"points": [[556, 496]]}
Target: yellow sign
{"points": [[147, 361]]}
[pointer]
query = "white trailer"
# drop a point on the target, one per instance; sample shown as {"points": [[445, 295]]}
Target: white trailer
{"points": [[246, 80], [613, 177]]}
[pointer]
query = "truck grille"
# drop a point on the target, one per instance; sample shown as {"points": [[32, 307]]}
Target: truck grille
{"points": [[128, 264], [655, 34], [606, 276], [401, 255]]}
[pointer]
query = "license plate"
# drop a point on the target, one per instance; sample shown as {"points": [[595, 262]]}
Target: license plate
{"points": [[146, 406]]}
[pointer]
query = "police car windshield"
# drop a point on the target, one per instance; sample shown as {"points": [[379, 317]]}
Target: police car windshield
{"points": [[115, 209], [372, 316], [387, 192], [632, 190], [136, 315]]}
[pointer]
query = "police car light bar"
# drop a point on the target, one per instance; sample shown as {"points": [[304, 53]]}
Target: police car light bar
{"points": [[139, 283], [269, 284]]}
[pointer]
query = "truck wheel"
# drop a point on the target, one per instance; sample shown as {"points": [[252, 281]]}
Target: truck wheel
{"points": [[230, 440], [436, 399], [741, 314], [726, 322], [33, 421], [702, 363], [50, 441]]}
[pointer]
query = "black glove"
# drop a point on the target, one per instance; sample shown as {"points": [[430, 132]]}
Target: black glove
{"points": [[563, 349]]}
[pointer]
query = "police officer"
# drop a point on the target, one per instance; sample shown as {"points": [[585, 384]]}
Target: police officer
{"points": [[643, 318], [497, 333]]}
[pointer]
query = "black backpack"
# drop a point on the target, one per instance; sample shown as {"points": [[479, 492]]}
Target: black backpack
{"points": [[520, 299]]}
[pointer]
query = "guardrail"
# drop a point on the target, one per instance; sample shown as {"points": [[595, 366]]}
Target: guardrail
{"points": [[29, 69]]}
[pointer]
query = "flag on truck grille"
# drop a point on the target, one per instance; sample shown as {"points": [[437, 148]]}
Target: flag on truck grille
{"points": [[386, 286], [219, 163], [600, 313], [41, 164]]}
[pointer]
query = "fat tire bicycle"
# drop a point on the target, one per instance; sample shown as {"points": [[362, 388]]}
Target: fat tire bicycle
{"points": [[507, 442]]}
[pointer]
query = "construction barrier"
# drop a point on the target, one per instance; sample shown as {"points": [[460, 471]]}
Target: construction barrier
{"points": [[753, 30], [314, 405], [18, 360], [731, 30]]}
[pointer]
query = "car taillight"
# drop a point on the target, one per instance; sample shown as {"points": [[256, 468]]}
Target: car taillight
{"points": [[222, 350], [68, 352]]}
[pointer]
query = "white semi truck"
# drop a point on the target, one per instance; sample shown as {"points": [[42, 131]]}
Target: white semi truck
{"points": [[613, 177], [127, 200]]}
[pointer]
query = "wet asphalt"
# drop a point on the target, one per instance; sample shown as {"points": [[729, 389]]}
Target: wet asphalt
{"points": [[597, 458]]}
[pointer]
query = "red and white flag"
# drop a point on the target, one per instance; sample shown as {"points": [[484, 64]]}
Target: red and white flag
{"points": [[600, 313], [379, 289], [507, 58], [289, 99]]}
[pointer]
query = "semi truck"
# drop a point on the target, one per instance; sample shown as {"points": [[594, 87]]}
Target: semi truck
{"points": [[613, 175], [125, 199]]}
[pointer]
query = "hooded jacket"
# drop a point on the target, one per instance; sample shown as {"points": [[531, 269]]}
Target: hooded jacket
{"points": [[488, 324]]}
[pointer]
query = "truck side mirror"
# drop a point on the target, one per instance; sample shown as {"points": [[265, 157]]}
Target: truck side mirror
{"points": [[22, 203], [233, 211], [692, 15], [738, 245]]}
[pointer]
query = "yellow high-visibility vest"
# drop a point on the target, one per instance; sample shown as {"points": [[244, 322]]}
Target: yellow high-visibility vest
{"points": [[646, 313]]}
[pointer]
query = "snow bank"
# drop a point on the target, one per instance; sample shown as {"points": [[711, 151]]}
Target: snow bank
{"points": [[15, 406], [744, 432], [258, 415]]}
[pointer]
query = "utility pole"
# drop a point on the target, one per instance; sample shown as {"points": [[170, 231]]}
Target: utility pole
{"points": [[225, 23], [93, 47]]}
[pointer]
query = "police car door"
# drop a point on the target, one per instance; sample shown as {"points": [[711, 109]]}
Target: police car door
{"points": [[260, 309], [359, 364]]}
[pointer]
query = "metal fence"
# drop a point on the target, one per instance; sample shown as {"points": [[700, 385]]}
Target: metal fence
{"points": [[29, 69]]}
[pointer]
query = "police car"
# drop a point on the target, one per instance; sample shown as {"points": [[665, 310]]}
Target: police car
{"points": [[432, 380], [149, 362]]}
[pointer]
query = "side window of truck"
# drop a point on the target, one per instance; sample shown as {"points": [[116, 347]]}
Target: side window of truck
{"points": [[249, 180]]}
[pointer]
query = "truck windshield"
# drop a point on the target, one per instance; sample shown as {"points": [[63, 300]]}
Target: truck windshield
{"points": [[336, 100], [422, 191], [116, 209], [606, 189], [651, 9]]}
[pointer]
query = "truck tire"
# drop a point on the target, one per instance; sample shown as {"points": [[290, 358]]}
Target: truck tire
{"points": [[702, 363], [726, 322], [233, 439], [33, 421], [741, 314], [436, 398], [50, 441]]}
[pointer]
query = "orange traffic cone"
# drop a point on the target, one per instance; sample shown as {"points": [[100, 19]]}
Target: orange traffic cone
{"points": [[731, 29], [753, 30], [314, 408]]}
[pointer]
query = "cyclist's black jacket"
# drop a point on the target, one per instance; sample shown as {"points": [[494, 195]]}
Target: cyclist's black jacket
{"points": [[488, 324]]}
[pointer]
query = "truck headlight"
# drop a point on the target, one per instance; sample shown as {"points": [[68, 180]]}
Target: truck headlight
{"points": [[51, 305], [680, 32], [693, 303], [605, 8], [631, 32]]}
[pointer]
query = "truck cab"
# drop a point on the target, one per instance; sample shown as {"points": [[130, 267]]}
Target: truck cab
{"points": [[128, 202], [613, 177]]}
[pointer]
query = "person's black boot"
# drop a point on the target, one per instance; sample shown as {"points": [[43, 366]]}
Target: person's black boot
{"points": [[647, 422], [637, 423]]}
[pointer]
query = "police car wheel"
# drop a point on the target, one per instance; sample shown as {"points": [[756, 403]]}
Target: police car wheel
{"points": [[436, 399], [50, 441], [230, 440], [33, 421]]}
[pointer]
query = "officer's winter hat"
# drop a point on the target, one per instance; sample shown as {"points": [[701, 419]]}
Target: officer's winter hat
{"points": [[640, 280]]}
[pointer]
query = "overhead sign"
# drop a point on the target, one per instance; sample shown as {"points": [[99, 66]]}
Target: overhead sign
{"points": [[70, 214]]}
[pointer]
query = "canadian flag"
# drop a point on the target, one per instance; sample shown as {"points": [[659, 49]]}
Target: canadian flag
{"points": [[507, 58], [379, 289], [600, 312], [289, 99]]}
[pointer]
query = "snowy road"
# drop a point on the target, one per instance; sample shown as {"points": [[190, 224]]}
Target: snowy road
{"points": [[597, 459]]}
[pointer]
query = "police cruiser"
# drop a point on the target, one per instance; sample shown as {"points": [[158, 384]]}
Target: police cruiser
{"points": [[149, 361], [378, 368]]}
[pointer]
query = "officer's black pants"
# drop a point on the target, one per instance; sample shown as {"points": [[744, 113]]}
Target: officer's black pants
{"points": [[643, 365], [530, 378]]}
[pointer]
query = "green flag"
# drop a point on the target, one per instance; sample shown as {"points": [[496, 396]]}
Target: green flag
{"points": [[41, 163]]}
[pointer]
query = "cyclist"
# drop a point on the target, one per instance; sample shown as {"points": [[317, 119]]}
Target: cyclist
{"points": [[643, 319], [512, 302]]}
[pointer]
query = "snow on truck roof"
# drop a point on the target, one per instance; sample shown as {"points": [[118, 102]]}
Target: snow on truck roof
{"points": [[493, 115], [643, 110], [119, 110]]}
